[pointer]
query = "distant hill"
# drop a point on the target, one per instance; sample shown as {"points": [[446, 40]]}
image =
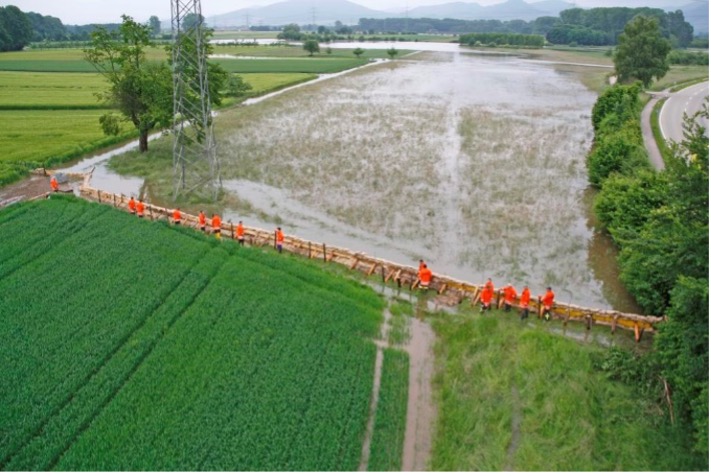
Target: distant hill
{"points": [[302, 12], [697, 14], [509, 10]]}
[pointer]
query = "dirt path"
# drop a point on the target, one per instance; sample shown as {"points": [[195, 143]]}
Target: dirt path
{"points": [[421, 410], [655, 157], [25, 189]]}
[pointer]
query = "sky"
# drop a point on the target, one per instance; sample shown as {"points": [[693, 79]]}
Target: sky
{"points": [[79, 12]]}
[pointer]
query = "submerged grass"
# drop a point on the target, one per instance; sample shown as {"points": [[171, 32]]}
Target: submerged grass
{"points": [[512, 396]]}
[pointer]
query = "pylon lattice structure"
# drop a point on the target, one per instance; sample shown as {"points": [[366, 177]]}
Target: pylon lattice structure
{"points": [[196, 169]]}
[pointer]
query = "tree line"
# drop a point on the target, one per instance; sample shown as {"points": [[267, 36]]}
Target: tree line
{"points": [[501, 39], [591, 27]]}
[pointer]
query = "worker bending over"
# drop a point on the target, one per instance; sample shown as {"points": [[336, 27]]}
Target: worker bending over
{"points": [[509, 296], [486, 295], [425, 275]]}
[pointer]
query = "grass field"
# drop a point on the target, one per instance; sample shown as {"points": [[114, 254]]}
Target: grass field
{"points": [[200, 355], [23, 90], [514, 397]]}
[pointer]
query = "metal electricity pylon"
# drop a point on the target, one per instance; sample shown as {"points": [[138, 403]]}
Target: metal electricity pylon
{"points": [[196, 169]]}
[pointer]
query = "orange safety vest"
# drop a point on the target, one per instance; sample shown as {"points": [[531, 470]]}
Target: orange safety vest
{"points": [[240, 230], [425, 276], [140, 207], [132, 205], [489, 285], [216, 222], [486, 294], [280, 237], [201, 219], [509, 294], [548, 299], [525, 297], [176, 215], [53, 183]]}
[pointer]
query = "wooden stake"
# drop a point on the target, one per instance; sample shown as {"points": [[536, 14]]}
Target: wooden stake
{"points": [[372, 269], [441, 290], [637, 333], [324, 253]]}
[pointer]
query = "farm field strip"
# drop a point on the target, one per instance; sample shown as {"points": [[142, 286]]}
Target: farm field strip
{"points": [[44, 450], [212, 356], [290, 65], [253, 346], [21, 90], [68, 332]]}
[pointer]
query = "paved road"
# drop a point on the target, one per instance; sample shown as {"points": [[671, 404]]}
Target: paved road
{"points": [[689, 100], [671, 117]]}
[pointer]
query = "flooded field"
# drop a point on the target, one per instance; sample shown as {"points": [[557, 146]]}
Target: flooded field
{"points": [[475, 163]]}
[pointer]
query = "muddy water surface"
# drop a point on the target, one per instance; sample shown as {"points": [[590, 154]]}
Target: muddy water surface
{"points": [[474, 163]]}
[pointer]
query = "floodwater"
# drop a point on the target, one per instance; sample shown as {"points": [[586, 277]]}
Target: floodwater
{"points": [[475, 163]]}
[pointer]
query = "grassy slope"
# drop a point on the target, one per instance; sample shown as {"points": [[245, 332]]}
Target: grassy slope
{"points": [[515, 397]]}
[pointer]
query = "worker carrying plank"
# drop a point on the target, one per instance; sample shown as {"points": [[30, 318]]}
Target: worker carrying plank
{"points": [[425, 275]]}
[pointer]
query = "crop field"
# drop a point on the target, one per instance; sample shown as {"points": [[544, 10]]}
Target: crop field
{"points": [[23, 90], [290, 65], [122, 353]]}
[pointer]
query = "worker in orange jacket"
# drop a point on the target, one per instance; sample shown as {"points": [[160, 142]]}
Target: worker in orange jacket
{"points": [[140, 208], [279, 239], [54, 184], [132, 206], [216, 225], [509, 296], [240, 233], [202, 221], [548, 299], [422, 265], [524, 302], [177, 216], [486, 295], [425, 275]]}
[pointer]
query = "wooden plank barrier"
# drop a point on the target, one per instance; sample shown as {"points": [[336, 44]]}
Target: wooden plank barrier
{"points": [[457, 290]]}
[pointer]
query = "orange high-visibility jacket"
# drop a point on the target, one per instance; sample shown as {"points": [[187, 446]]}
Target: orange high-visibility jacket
{"points": [[240, 230], [140, 207], [53, 183], [280, 237], [216, 222], [176, 215], [489, 284], [132, 205], [525, 297], [548, 299], [425, 276], [509, 294], [201, 219], [486, 294]]}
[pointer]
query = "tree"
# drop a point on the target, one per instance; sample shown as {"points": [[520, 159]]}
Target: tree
{"points": [[358, 52], [642, 51], [17, 29], [312, 47], [291, 32], [392, 53], [140, 90], [154, 23]]}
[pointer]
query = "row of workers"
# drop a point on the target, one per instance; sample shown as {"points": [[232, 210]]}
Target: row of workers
{"points": [[138, 208], [509, 294]]}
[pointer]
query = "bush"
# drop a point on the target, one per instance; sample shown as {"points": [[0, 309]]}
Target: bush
{"points": [[615, 153]]}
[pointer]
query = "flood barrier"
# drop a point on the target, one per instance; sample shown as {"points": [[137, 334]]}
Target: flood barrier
{"points": [[450, 291]]}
